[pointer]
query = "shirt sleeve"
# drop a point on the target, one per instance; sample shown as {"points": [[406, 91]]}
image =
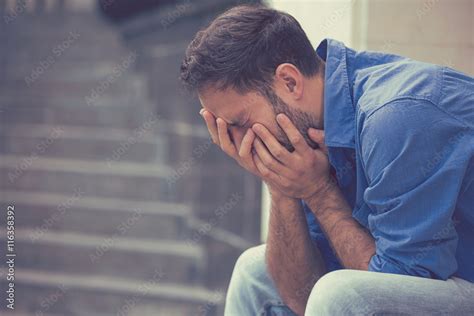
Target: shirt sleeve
{"points": [[410, 153]]}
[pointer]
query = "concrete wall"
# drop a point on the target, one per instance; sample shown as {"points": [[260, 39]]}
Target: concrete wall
{"points": [[435, 31], [321, 18]]}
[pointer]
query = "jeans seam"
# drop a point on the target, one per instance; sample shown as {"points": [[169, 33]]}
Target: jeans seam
{"points": [[270, 303]]}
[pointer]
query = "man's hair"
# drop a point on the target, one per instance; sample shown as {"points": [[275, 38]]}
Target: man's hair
{"points": [[242, 48]]}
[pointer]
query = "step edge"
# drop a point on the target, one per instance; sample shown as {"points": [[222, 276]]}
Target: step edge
{"points": [[172, 291], [96, 203], [128, 244], [34, 131], [112, 167]]}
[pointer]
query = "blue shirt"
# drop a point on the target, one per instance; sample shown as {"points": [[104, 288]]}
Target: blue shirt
{"points": [[400, 135]]}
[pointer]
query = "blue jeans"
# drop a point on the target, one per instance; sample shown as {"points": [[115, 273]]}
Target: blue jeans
{"points": [[346, 292]]}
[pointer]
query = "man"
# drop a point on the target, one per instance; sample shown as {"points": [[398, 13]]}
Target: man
{"points": [[369, 162]]}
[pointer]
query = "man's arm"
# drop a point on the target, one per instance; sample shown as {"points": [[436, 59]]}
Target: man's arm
{"points": [[414, 155], [304, 174], [294, 263], [353, 244]]}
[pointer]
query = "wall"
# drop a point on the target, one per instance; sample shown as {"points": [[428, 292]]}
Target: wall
{"points": [[434, 31]]}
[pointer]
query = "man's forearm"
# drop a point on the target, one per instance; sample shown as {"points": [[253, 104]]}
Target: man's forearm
{"points": [[353, 244], [294, 263]]}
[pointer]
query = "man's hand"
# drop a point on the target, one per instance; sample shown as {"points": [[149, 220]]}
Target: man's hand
{"points": [[240, 149], [302, 173], [299, 174]]}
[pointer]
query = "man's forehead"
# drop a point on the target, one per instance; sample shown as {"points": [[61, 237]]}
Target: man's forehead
{"points": [[226, 106]]}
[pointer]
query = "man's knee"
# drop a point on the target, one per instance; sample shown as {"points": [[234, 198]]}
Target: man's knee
{"points": [[249, 268], [251, 260], [341, 292], [251, 290]]}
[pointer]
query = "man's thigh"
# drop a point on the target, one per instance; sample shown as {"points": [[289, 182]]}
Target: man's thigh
{"points": [[352, 292]]}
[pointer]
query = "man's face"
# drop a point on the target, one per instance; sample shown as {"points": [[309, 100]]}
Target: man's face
{"points": [[241, 111]]}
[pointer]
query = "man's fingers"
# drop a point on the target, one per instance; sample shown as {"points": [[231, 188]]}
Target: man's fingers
{"points": [[211, 125], [292, 133], [275, 148], [317, 135], [268, 160], [266, 174], [264, 171], [246, 151], [246, 144], [224, 139], [237, 137], [265, 156]]}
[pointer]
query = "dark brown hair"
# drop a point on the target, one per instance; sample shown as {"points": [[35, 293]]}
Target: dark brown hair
{"points": [[242, 48]]}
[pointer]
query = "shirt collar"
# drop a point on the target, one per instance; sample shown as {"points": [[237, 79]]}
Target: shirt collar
{"points": [[339, 114]]}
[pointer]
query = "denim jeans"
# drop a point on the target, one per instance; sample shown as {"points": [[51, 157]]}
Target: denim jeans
{"points": [[346, 292]]}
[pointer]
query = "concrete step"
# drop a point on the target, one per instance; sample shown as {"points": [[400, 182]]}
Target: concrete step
{"points": [[21, 140], [63, 40], [153, 150], [52, 53], [115, 178], [106, 79], [76, 213], [53, 25], [39, 291], [50, 22], [32, 29], [133, 115], [118, 86], [151, 142], [59, 67], [64, 71], [108, 255], [108, 102]]}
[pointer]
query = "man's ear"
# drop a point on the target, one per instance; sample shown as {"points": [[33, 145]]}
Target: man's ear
{"points": [[289, 81]]}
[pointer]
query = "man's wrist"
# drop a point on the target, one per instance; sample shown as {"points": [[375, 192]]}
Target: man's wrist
{"points": [[328, 197], [279, 197], [281, 202], [323, 191]]}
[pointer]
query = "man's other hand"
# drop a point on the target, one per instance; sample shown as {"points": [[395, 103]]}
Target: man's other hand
{"points": [[239, 147], [302, 173]]}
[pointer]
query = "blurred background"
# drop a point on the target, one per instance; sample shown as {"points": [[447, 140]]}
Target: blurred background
{"points": [[122, 204]]}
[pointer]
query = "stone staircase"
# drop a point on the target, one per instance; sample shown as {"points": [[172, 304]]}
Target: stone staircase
{"points": [[99, 228]]}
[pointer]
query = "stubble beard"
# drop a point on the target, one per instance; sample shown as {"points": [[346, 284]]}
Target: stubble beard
{"points": [[302, 121]]}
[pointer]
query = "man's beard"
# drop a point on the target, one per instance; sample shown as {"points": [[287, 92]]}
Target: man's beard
{"points": [[302, 121]]}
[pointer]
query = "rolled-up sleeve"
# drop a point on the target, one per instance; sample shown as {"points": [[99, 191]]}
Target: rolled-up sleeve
{"points": [[410, 154]]}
